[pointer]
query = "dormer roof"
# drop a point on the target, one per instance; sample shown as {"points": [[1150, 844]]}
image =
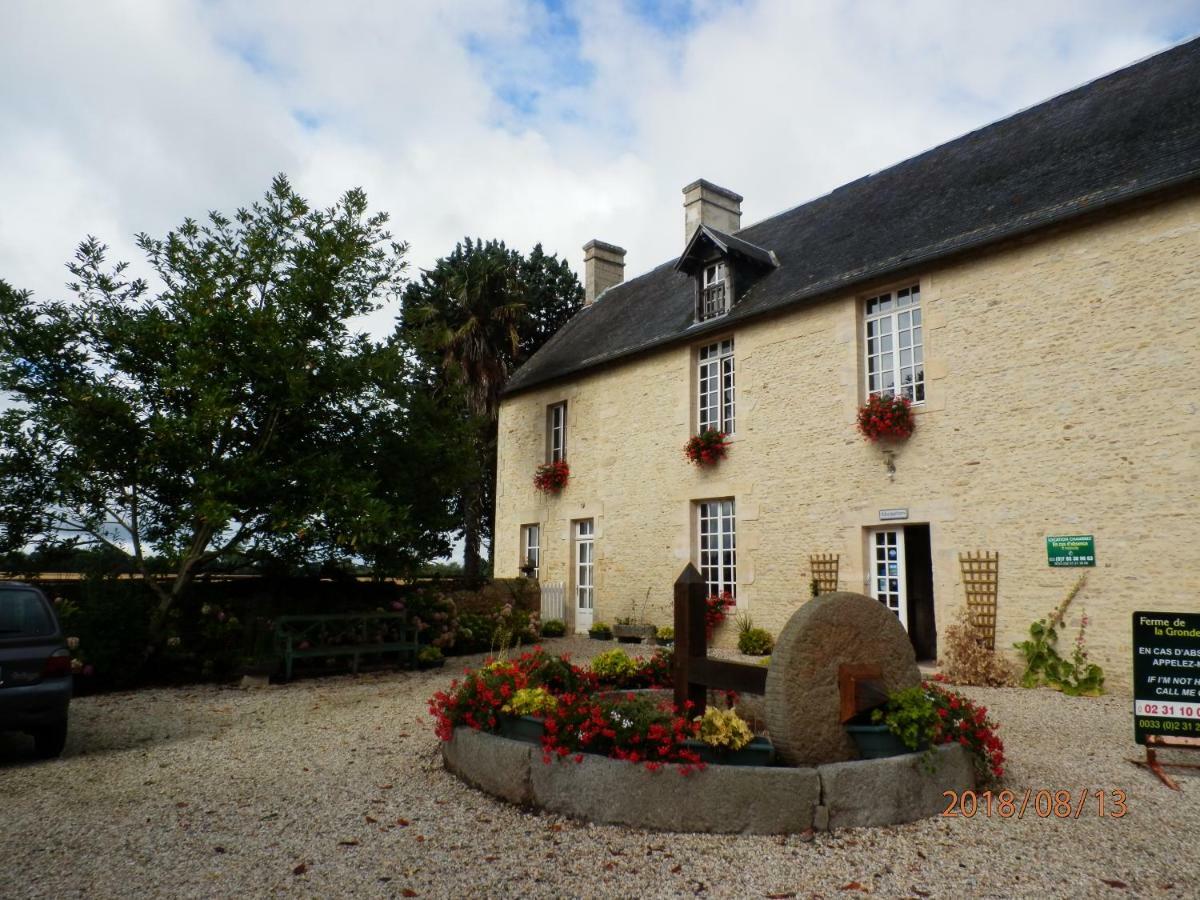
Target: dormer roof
{"points": [[706, 238]]}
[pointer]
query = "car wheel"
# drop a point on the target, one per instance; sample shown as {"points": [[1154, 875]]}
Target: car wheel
{"points": [[49, 742]]}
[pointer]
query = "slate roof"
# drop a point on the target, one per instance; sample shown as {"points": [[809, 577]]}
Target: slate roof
{"points": [[1126, 135]]}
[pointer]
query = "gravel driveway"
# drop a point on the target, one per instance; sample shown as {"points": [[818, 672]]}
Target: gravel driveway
{"points": [[334, 787]]}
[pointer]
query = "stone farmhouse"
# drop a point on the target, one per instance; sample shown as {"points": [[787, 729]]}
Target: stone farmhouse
{"points": [[1033, 287]]}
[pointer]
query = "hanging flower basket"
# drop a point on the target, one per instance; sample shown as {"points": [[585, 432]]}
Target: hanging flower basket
{"points": [[551, 478], [706, 448], [886, 418]]}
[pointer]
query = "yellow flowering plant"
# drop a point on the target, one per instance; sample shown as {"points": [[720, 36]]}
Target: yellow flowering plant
{"points": [[535, 701], [724, 728]]}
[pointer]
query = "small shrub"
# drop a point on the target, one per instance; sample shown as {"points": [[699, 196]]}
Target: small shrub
{"points": [[554, 628], [429, 655], [724, 728], [753, 641], [665, 633], [535, 701], [1075, 677], [600, 630], [756, 642], [614, 665], [968, 660]]}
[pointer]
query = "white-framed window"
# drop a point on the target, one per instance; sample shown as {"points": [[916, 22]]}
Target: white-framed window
{"points": [[556, 425], [531, 548], [718, 545], [714, 293], [585, 542], [895, 348], [715, 383]]}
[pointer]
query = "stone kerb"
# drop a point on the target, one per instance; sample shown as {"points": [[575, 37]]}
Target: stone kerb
{"points": [[802, 699], [718, 800]]}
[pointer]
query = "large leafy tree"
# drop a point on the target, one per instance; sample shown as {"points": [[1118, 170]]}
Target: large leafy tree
{"points": [[470, 321], [223, 406]]}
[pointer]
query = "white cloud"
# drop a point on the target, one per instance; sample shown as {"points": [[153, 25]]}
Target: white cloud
{"points": [[502, 119]]}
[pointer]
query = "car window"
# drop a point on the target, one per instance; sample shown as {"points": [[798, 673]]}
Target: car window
{"points": [[23, 614]]}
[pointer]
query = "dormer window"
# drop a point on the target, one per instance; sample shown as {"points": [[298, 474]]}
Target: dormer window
{"points": [[722, 268], [714, 294]]}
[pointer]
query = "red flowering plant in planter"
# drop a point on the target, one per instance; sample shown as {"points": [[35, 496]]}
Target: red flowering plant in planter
{"points": [[707, 447], [552, 477], [886, 417], [716, 608]]}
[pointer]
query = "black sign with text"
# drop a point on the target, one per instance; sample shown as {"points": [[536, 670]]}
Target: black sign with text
{"points": [[1166, 676]]}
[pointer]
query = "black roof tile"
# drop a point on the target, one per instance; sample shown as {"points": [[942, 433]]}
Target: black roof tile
{"points": [[1126, 135]]}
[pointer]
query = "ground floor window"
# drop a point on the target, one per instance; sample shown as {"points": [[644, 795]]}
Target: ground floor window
{"points": [[531, 548], [718, 546]]}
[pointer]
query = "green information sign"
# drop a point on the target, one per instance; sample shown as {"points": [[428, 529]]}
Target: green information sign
{"points": [[1071, 550]]}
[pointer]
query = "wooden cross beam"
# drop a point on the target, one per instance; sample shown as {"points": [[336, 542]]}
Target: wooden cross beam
{"points": [[694, 673]]}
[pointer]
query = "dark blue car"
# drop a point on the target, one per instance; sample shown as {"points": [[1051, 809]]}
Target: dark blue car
{"points": [[35, 668]]}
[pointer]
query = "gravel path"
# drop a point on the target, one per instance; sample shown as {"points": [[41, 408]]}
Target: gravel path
{"points": [[334, 788]]}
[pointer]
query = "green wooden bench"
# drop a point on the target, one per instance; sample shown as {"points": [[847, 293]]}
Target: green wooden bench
{"points": [[344, 634]]}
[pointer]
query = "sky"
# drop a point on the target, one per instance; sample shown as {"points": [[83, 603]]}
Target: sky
{"points": [[549, 121]]}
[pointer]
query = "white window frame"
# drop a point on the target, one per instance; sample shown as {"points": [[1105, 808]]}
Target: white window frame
{"points": [[888, 572], [556, 424], [716, 388], [531, 546], [893, 343], [716, 541], [715, 274], [585, 572]]}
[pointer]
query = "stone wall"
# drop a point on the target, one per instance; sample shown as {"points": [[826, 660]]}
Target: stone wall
{"points": [[1060, 401]]}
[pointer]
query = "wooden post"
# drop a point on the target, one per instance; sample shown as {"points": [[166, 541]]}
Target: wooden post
{"points": [[691, 638]]}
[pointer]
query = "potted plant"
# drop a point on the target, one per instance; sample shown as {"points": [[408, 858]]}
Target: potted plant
{"points": [[905, 724], [553, 628], [552, 477], [523, 716], [529, 568], [430, 657], [627, 632], [886, 417], [726, 739], [664, 636], [706, 448], [599, 631]]}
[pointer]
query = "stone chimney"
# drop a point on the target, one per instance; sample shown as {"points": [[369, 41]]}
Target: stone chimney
{"points": [[603, 267], [706, 204]]}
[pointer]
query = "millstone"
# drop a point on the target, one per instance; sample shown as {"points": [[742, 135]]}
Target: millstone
{"points": [[802, 701]]}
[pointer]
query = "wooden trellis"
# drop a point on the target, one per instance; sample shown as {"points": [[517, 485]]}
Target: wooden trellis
{"points": [[981, 577], [824, 568]]}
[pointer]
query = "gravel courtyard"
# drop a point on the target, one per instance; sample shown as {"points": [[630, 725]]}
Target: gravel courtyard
{"points": [[334, 787]]}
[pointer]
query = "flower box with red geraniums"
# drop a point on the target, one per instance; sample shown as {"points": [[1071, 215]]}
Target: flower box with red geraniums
{"points": [[716, 608], [552, 477], [886, 418], [706, 448]]}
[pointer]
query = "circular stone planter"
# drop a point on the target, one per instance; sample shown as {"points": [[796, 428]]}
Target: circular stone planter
{"points": [[720, 799]]}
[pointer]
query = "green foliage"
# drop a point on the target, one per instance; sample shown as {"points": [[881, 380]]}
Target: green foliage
{"points": [[724, 728], [600, 630], [469, 322], [230, 409], [911, 715], [753, 641], [1044, 665], [553, 628], [430, 655], [534, 701], [665, 633], [614, 665]]}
